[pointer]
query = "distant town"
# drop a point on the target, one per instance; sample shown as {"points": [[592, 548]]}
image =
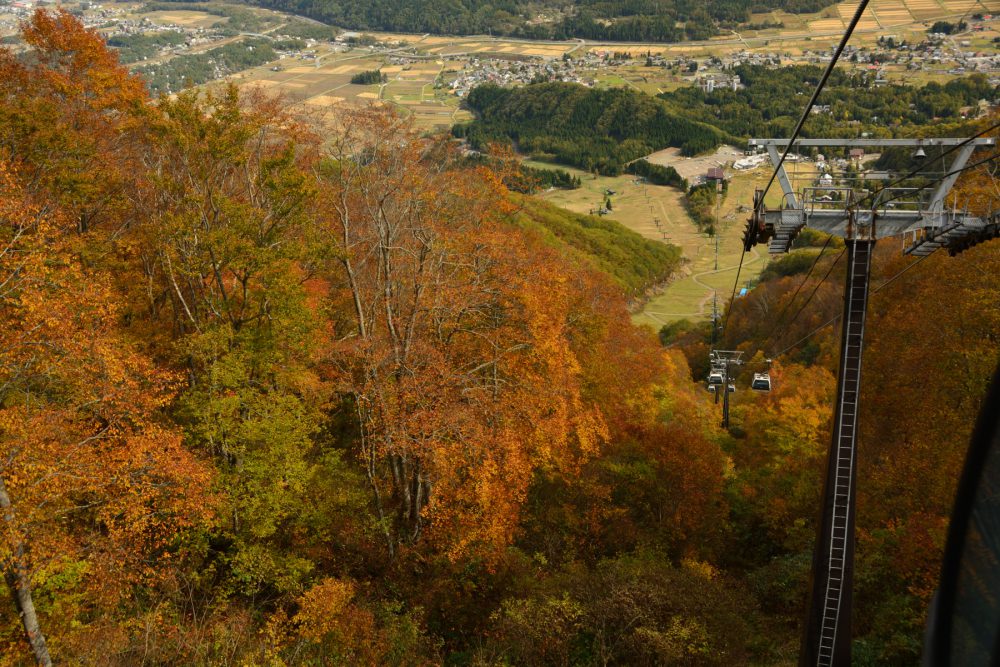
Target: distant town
{"points": [[451, 67]]}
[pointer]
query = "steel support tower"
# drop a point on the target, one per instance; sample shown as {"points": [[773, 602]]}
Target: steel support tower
{"points": [[728, 361], [828, 628], [861, 217]]}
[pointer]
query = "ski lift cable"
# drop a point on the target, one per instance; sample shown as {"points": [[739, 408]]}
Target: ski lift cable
{"points": [[798, 128], [978, 163], [897, 181], [838, 315], [777, 320], [917, 171], [812, 101], [816, 289]]}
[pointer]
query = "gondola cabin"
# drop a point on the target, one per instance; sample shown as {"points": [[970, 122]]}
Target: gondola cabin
{"points": [[715, 377], [761, 382]]}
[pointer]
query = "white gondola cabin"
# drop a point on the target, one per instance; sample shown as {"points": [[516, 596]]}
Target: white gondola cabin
{"points": [[761, 382]]}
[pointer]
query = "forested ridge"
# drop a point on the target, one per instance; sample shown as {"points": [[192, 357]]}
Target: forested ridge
{"points": [[598, 130], [603, 130], [274, 392], [616, 20], [770, 103]]}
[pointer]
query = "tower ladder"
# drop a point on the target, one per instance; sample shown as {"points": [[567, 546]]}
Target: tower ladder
{"points": [[828, 638]]}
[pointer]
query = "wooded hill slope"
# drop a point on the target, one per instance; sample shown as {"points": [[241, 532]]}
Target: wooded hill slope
{"points": [[770, 103], [268, 398], [615, 20], [287, 394], [593, 129], [932, 343], [632, 262], [603, 130]]}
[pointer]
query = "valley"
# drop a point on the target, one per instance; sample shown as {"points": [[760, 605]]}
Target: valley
{"points": [[330, 346]]}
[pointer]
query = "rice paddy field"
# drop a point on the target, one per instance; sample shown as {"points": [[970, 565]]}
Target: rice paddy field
{"points": [[419, 89], [326, 82], [186, 19]]}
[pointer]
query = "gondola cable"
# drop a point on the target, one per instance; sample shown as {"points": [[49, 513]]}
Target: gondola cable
{"points": [[798, 128], [838, 315]]}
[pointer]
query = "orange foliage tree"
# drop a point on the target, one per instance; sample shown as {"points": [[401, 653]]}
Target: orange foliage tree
{"points": [[363, 293], [92, 480], [457, 340], [68, 117]]}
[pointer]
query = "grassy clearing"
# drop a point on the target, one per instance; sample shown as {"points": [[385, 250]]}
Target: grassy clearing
{"points": [[637, 206], [691, 296]]}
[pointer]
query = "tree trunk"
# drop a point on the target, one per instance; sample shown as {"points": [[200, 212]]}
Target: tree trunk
{"points": [[19, 581]]}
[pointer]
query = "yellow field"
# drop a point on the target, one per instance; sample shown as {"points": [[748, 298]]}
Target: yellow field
{"points": [[324, 100], [322, 84], [185, 18], [826, 25], [923, 10], [960, 5]]}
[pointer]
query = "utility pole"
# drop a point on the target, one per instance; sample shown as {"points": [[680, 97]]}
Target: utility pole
{"points": [[730, 377], [715, 316], [725, 399], [717, 244]]}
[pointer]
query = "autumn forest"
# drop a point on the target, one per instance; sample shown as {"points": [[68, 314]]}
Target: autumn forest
{"points": [[282, 390]]}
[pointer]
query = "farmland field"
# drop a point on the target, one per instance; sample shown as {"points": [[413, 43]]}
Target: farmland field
{"points": [[187, 19], [419, 89]]}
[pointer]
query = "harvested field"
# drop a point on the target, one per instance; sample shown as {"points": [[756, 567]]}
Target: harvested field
{"points": [[826, 25], [188, 19]]}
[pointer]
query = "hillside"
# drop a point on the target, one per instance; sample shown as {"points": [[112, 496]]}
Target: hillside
{"points": [[769, 103], [632, 261], [930, 341], [615, 20], [295, 390], [593, 129]]}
